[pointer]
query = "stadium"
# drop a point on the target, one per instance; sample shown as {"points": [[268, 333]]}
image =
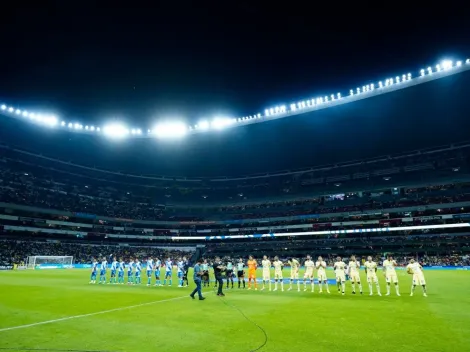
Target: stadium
{"points": [[80, 199]]}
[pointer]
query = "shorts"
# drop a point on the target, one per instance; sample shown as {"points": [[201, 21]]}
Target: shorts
{"points": [[157, 275], [372, 278], [252, 274], [419, 279], [102, 272], [149, 273], [391, 278], [113, 273], [121, 274], [322, 276], [308, 275], [294, 275], [355, 277], [180, 274], [278, 275], [340, 278], [168, 274], [266, 275], [229, 273], [240, 273]]}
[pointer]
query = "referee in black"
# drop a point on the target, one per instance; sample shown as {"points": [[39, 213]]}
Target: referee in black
{"points": [[218, 270]]}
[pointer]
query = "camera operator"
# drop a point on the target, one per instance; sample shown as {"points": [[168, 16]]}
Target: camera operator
{"points": [[219, 269]]}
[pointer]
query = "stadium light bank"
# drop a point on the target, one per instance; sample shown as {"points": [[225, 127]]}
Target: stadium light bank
{"points": [[171, 130]]}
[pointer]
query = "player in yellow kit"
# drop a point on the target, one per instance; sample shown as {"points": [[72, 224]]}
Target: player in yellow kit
{"points": [[354, 277], [294, 273], [278, 273], [266, 263], [371, 272], [390, 274], [321, 274], [308, 276], [340, 268], [415, 269]]}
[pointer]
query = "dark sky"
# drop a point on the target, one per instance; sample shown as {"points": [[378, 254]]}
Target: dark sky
{"points": [[200, 59]]}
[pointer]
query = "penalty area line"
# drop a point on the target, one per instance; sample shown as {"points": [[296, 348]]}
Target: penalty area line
{"points": [[91, 314]]}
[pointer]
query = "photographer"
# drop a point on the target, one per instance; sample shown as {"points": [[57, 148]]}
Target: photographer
{"points": [[219, 268]]}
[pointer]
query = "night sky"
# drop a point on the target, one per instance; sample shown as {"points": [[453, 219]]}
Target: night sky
{"points": [[196, 60]]}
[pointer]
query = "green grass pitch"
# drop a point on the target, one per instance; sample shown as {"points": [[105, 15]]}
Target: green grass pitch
{"points": [[293, 321]]}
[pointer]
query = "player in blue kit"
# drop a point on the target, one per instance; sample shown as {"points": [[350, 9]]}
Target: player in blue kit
{"points": [[149, 270], [180, 268], [94, 269], [121, 271], [138, 269], [103, 267], [168, 271], [158, 265], [114, 265], [130, 272]]}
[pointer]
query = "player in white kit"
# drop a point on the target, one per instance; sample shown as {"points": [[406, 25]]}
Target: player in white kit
{"points": [[294, 273], [321, 274], [277, 264], [354, 276], [308, 276], [415, 269], [371, 272], [390, 274], [340, 268], [266, 263]]}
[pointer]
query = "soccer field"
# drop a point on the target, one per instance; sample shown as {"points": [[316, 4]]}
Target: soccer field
{"points": [[56, 310]]}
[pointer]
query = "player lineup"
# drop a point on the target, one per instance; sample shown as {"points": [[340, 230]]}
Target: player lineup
{"points": [[343, 271]]}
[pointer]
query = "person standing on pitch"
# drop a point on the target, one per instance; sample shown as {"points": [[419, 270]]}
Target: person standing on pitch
{"points": [[218, 270], [197, 280]]}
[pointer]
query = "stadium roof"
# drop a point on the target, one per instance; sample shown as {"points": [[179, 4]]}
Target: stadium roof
{"points": [[418, 117]]}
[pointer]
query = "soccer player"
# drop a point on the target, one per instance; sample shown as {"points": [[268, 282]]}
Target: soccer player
{"points": [[371, 272], [149, 270], [354, 276], [294, 273], [339, 268], [278, 273], [390, 274], [180, 271], [94, 269], [156, 268], [130, 272], [321, 272], [252, 266], [266, 263], [241, 272], [114, 264], [121, 272], [308, 276], [168, 272], [415, 269], [103, 267], [205, 273], [229, 273], [138, 269]]}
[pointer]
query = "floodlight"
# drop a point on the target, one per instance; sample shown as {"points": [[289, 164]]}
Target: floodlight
{"points": [[203, 125], [446, 64], [221, 122], [170, 130], [4, 107], [115, 130]]}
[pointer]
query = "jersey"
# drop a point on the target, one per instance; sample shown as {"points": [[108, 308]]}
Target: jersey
{"points": [[252, 265], [266, 269], [121, 268], [240, 266], [205, 267], [130, 268], [229, 266], [94, 267], [339, 268], [104, 265], [321, 267], [354, 267], [309, 265], [371, 268], [158, 265], [180, 268], [149, 267], [417, 271], [390, 273], [114, 266], [168, 266], [294, 269], [138, 268]]}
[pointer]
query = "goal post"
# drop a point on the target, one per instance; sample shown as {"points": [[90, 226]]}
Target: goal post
{"points": [[49, 262]]}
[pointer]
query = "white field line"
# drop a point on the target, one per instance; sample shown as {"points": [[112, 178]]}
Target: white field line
{"points": [[90, 314]]}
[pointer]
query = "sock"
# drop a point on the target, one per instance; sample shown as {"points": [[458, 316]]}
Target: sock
{"points": [[275, 285], [360, 287], [320, 284], [397, 289], [370, 288], [269, 285], [388, 288], [282, 285], [148, 280], [313, 286], [298, 285], [378, 287], [164, 282], [353, 287], [170, 282], [343, 286], [424, 288], [327, 287]]}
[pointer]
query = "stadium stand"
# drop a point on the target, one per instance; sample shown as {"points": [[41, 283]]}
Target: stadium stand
{"points": [[57, 208]]}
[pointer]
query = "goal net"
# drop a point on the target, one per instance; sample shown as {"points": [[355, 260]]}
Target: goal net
{"points": [[49, 262]]}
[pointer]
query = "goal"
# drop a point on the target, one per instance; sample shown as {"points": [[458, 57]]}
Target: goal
{"points": [[49, 262]]}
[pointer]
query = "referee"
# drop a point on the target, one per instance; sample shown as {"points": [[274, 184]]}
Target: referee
{"points": [[218, 270]]}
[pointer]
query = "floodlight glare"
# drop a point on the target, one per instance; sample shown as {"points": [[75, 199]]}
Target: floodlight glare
{"points": [[203, 125], [115, 130], [219, 123], [170, 130], [4, 107]]}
